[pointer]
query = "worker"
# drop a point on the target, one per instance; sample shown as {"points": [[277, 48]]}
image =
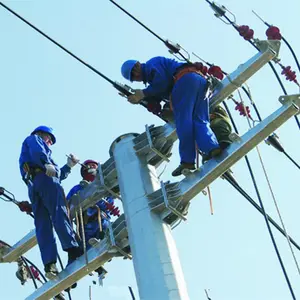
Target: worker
{"points": [[184, 84], [90, 217], [43, 178]]}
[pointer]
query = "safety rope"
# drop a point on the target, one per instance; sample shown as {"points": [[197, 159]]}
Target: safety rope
{"points": [[271, 191], [99, 218], [83, 235], [267, 221]]}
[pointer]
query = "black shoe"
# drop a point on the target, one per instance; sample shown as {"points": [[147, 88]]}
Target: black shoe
{"points": [[181, 167], [224, 145], [215, 152], [51, 270], [73, 254]]}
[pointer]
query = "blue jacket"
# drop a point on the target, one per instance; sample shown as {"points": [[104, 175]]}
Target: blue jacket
{"points": [[91, 211], [158, 72], [36, 153]]}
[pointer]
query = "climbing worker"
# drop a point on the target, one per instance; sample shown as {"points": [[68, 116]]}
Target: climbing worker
{"points": [[43, 178], [91, 220], [186, 87]]}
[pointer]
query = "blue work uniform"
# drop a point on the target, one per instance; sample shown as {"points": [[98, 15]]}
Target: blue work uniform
{"points": [[48, 199], [91, 229], [190, 106]]}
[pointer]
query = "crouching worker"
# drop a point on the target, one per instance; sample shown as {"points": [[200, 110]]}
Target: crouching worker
{"points": [[43, 178], [93, 229], [186, 86]]}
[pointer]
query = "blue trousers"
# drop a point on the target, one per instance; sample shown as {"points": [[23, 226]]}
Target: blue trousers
{"points": [[191, 111], [49, 209]]}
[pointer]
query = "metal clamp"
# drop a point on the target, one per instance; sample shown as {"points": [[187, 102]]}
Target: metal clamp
{"points": [[167, 204], [102, 182], [152, 148]]}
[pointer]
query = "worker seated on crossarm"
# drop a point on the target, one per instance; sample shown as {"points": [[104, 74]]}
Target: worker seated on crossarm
{"points": [[94, 227]]}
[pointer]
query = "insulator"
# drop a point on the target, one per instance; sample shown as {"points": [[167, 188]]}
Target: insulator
{"points": [[273, 33], [203, 69], [216, 71], [35, 272], [244, 110], [113, 209], [154, 107], [289, 74], [246, 32]]}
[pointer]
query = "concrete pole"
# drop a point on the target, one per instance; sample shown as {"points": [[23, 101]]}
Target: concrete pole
{"points": [[156, 262]]}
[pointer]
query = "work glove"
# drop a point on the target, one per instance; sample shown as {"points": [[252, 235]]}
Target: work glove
{"points": [[136, 97], [72, 160], [50, 170]]}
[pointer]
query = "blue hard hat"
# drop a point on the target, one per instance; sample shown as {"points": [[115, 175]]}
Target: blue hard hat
{"points": [[46, 129], [127, 68]]}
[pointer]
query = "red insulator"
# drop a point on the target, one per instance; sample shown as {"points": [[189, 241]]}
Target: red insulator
{"points": [[25, 206], [154, 107], [35, 272], [273, 33], [244, 110], [289, 74], [203, 69], [113, 209], [246, 32], [216, 71]]}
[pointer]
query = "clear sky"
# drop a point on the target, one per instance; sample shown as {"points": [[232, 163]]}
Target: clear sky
{"points": [[229, 253]]}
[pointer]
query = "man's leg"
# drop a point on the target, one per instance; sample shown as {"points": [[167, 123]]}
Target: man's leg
{"points": [[44, 232], [205, 137], [55, 203]]}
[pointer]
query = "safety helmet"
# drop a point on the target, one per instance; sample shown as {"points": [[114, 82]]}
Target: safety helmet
{"points": [[45, 129], [127, 68], [85, 170]]}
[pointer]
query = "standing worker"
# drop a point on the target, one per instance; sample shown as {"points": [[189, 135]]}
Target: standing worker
{"points": [[43, 178], [186, 87]]}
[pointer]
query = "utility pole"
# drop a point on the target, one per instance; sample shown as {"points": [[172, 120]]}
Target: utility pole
{"points": [[155, 258]]}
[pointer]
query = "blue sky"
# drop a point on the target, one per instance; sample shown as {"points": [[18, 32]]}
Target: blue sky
{"points": [[229, 253]]}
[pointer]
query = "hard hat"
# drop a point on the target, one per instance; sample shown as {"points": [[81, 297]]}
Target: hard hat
{"points": [[127, 68], [84, 171], [45, 129]]}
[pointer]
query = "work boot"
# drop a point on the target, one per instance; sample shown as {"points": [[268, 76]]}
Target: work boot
{"points": [[73, 254], [51, 270], [213, 153], [181, 167]]}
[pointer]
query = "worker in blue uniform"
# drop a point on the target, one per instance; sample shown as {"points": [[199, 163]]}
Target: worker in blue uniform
{"points": [[43, 178], [90, 218], [186, 87]]}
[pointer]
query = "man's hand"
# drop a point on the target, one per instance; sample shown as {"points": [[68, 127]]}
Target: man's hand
{"points": [[136, 97], [72, 160], [50, 170]]}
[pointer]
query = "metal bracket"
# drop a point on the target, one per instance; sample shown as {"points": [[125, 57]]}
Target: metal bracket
{"points": [[167, 203], [114, 245], [292, 99], [102, 182], [152, 148]]}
